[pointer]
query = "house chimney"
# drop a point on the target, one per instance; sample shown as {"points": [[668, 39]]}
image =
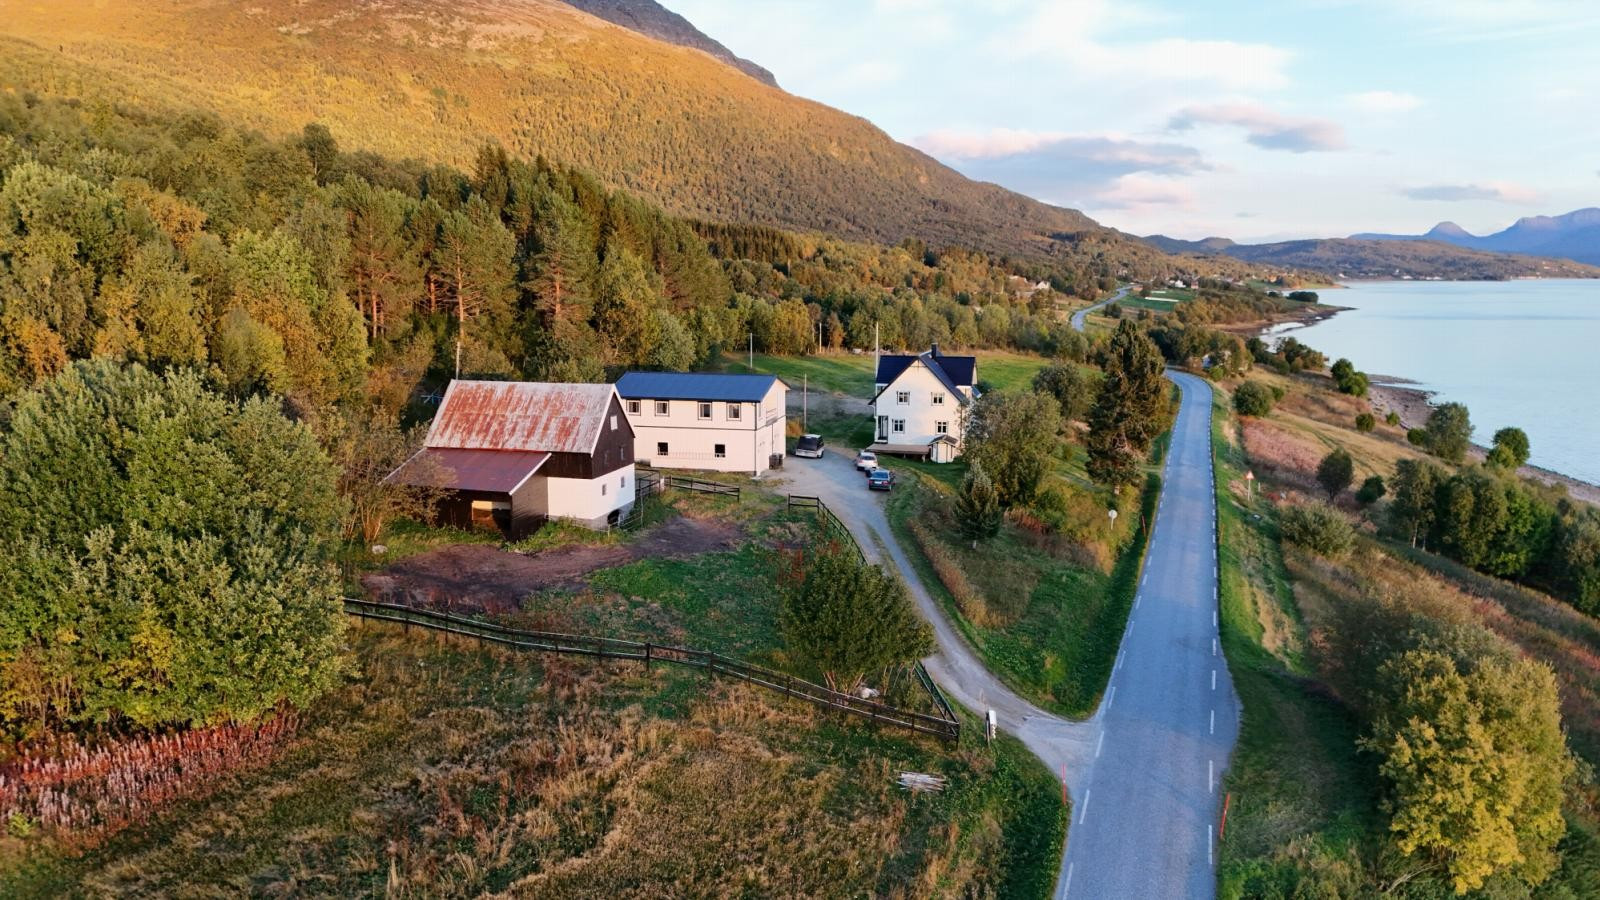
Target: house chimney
{"points": [[935, 350]]}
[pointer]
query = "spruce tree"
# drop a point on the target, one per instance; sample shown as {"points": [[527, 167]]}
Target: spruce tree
{"points": [[978, 505], [1130, 410]]}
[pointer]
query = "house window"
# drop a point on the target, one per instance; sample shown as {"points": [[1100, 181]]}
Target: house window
{"points": [[602, 488], [613, 423], [633, 407], [661, 407], [705, 410], [734, 411], [938, 398], [898, 426], [661, 448], [942, 427], [902, 396], [720, 451], [623, 482]]}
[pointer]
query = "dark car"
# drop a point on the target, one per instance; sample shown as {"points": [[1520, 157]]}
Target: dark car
{"points": [[880, 480]]}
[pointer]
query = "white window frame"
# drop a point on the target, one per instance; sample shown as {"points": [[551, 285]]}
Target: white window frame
{"points": [[938, 398], [941, 427], [720, 451], [735, 412], [902, 397], [633, 407], [702, 410], [897, 426], [663, 408]]}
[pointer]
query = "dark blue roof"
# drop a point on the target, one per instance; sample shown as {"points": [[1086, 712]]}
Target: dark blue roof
{"points": [[694, 386], [956, 370]]}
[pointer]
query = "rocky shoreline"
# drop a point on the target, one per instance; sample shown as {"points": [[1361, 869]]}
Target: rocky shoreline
{"points": [[1414, 405]]}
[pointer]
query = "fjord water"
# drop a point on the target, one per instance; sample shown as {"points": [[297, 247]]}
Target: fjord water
{"points": [[1523, 353]]}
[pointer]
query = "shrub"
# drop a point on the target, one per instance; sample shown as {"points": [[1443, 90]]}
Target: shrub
{"points": [[1418, 437], [169, 554], [1253, 399], [978, 505], [1365, 422], [1335, 472], [1393, 418], [849, 618], [1372, 490], [1319, 528]]}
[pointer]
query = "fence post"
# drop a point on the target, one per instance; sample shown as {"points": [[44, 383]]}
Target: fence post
{"points": [[647, 656]]}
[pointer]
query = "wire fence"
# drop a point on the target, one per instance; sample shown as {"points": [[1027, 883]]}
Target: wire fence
{"points": [[831, 524], [945, 726]]}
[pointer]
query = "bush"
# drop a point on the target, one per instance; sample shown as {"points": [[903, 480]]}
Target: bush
{"points": [[169, 554], [1253, 399], [1365, 422], [1319, 528], [1372, 490], [1418, 437], [1393, 418], [849, 618], [1335, 472]]}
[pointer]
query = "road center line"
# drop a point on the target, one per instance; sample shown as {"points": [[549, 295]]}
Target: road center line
{"points": [[1110, 699], [1209, 861], [1100, 744], [1213, 646], [1211, 777], [1213, 679], [1067, 885], [1084, 813], [1213, 725]]}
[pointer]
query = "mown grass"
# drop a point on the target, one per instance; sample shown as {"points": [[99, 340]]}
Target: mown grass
{"points": [[445, 770], [852, 373]]}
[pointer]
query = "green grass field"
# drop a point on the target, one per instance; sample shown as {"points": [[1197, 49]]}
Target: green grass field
{"points": [[851, 374]]}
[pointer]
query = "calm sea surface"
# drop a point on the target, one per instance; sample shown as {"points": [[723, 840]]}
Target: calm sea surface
{"points": [[1524, 353]]}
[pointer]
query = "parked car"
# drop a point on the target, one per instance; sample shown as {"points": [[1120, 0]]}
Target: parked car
{"points": [[866, 461], [809, 445], [880, 480]]}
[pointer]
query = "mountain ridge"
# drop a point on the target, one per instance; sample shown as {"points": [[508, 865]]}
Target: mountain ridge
{"points": [[1574, 236], [1384, 258], [436, 81], [653, 20]]}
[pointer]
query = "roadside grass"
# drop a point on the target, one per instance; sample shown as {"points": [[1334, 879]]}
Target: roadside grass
{"points": [[1044, 614], [441, 769], [1300, 800]]}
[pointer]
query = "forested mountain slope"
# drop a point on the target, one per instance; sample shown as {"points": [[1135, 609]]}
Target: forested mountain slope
{"points": [[435, 80]]}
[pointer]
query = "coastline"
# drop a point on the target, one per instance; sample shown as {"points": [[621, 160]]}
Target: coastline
{"points": [[1414, 405], [1401, 395]]}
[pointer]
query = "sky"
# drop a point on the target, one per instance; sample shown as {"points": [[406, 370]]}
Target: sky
{"points": [[1256, 121]]}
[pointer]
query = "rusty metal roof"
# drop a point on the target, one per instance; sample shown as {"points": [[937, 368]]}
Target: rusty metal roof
{"points": [[521, 415], [494, 471]]}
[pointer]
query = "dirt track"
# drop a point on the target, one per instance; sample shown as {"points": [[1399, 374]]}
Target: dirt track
{"points": [[480, 578]]}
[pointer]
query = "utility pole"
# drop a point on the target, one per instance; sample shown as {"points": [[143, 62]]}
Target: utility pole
{"points": [[752, 351], [805, 399]]}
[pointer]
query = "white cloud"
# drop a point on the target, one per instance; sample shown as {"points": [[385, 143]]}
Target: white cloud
{"points": [[1071, 169], [1263, 127], [1498, 191], [1383, 102], [1137, 193]]}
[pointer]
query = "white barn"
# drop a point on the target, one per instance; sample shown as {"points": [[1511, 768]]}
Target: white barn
{"points": [[920, 404], [719, 423]]}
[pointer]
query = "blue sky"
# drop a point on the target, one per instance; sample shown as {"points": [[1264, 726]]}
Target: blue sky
{"points": [[1258, 121]]}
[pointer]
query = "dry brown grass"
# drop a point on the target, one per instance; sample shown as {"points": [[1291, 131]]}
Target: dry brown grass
{"points": [[445, 770]]}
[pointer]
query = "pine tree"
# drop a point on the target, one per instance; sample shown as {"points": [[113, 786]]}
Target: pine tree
{"points": [[1130, 410], [978, 505]]}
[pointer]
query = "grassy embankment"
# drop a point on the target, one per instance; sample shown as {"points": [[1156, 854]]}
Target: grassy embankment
{"points": [[1044, 605], [441, 768], [1304, 810]]}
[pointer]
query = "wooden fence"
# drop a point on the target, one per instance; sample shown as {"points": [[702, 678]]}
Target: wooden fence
{"points": [[830, 521], [700, 485], [945, 727]]}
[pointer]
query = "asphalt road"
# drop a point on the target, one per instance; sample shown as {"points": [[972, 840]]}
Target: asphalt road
{"points": [[1144, 770], [1079, 317]]}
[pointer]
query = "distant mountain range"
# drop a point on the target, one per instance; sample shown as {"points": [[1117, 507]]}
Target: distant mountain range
{"points": [[1574, 236], [1538, 247], [651, 19]]}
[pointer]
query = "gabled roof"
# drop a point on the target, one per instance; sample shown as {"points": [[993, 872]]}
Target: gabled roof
{"points": [[695, 386], [492, 471], [954, 372], [521, 415]]}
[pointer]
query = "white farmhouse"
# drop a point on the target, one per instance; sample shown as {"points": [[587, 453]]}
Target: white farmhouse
{"points": [[920, 404], [692, 420]]}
